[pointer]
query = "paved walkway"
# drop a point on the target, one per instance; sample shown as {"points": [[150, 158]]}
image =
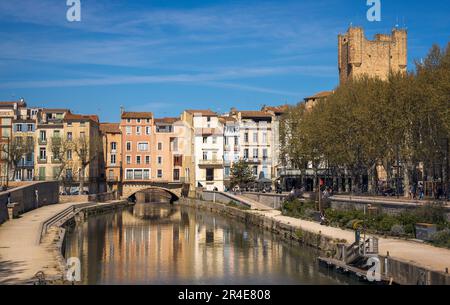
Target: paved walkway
{"points": [[21, 253], [420, 254], [386, 200], [254, 205]]}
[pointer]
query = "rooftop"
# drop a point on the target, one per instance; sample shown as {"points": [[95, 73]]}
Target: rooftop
{"points": [[110, 128], [201, 112], [137, 115], [81, 117], [322, 94], [169, 120]]}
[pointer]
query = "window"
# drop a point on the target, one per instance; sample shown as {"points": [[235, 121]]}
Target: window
{"points": [[82, 124], [246, 153], [146, 174], [147, 159], [69, 154], [264, 139], [19, 127], [265, 156], [143, 146], [128, 146], [128, 159], [128, 130], [255, 137], [210, 174], [205, 140], [255, 153], [69, 136], [159, 146], [69, 173], [113, 146], [56, 134], [208, 119], [225, 141], [214, 140], [138, 130], [147, 130], [113, 159], [255, 170], [205, 155], [148, 121], [159, 160], [43, 135], [82, 135], [236, 141], [138, 159], [160, 173], [138, 174], [176, 174], [129, 174], [41, 173], [69, 124], [6, 132], [138, 121], [246, 137], [29, 127], [128, 120], [177, 161], [42, 154]]}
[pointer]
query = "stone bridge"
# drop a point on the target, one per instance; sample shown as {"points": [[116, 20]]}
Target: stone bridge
{"points": [[175, 190]]}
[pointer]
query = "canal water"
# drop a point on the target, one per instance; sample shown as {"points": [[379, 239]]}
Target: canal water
{"points": [[159, 243]]}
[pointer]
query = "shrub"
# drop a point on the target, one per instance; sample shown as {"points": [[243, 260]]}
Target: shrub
{"points": [[397, 230], [442, 238]]}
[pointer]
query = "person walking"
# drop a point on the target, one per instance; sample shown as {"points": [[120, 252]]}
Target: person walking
{"points": [[36, 197]]}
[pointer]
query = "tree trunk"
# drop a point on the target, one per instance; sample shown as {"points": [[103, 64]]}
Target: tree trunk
{"points": [[82, 180], [372, 177]]}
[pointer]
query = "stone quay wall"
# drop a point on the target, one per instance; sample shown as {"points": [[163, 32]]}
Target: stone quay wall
{"points": [[25, 197]]}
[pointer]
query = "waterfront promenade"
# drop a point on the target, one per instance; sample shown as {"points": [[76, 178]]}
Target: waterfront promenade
{"points": [[418, 253], [23, 253]]}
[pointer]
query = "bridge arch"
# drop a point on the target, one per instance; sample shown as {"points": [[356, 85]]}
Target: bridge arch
{"points": [[130, 190]]}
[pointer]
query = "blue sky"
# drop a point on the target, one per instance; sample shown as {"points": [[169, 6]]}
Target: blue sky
{"points": [[165, 56]]}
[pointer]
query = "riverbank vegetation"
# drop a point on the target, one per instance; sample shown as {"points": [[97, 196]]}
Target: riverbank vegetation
{"points": [[399, 124], [399, 225]]}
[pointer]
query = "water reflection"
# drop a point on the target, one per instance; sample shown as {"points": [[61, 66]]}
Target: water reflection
{"points": [[166, 244]]}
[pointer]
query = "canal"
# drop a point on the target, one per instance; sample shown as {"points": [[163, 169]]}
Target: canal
{"points": [[159, 243]]}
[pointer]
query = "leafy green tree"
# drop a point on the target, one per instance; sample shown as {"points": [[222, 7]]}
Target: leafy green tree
{"points": [[241, 174]]}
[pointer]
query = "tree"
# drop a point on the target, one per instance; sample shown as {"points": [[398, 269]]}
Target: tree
{"points": [[241, 174], [14, 151], [368, 122], [87, 151]]}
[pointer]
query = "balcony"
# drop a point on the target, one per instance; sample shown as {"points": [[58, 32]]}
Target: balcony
{"points": [[42, 161], [211, 163], [42, 141], [25, 163], [56, 160]]}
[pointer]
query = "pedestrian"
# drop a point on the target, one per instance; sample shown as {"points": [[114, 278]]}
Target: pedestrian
{"points": [[36, 197], [421, 191]]}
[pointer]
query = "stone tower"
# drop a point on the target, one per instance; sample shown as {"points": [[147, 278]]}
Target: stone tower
{"points": [[376, 58]]}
